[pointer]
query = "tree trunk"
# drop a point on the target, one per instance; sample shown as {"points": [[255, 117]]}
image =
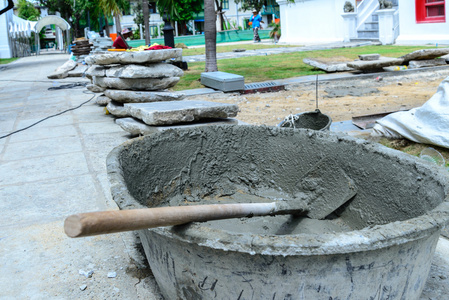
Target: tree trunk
{"points": [[106, 26], [146, 21], [118, 26], [210, 35], [219, 5]]}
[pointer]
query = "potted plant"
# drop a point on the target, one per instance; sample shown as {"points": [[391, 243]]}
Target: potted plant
{"points": [[275, 33]]}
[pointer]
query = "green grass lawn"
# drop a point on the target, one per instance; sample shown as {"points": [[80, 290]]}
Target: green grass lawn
{"points": [[4, 61], [272, 67], [229, 48]]}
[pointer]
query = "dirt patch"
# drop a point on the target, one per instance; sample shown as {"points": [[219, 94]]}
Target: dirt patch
{"points": [[400, 92]]}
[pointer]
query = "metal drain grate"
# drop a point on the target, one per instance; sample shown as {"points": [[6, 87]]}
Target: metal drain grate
{"points": [[251, 86], [263, 87]]}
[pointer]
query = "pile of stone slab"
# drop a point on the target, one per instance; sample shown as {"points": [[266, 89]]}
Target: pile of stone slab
{"points": [[375, 62], [101, 45], [69, 69], [81, 49], [135, 90]]}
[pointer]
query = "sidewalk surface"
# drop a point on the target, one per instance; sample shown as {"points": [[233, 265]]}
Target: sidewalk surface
{"points": [[57, 168]]}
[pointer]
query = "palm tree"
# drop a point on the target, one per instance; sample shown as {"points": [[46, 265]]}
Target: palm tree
{"points": [[210, 29], [146, 21], [112, 7], [210, 35]]}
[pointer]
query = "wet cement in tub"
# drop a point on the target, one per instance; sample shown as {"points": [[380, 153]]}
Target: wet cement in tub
{"points": [[378, 245]]}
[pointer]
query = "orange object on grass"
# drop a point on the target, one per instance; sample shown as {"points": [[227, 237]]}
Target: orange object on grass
{"points": [[276, 21], [113, 36]]}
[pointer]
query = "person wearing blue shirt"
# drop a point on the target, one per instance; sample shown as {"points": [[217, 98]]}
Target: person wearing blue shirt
{"points": [[256, 19]]}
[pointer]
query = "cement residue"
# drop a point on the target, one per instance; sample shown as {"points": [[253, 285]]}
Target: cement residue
{"points": [[349, 90]]}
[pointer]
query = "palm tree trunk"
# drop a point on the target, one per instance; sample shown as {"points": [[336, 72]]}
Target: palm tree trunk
{"points": [[210, 35], [118, 25], [146, 21], [106, 25], [219, 5]]}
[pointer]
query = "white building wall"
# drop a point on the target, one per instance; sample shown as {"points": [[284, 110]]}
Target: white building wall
{"points": [[311, 21], [412, 33]]}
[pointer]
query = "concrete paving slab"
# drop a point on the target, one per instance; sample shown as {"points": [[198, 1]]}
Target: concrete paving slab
{"points": [[47, 266], [184, 111], [46, 201], [99, 128], [51, 146], [37, 133], [42, 168], [7, 120], [93, 142], [62, 120]]}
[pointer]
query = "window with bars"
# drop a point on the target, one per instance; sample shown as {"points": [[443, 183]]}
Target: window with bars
{"points": [[430, 11], [225, 4]]}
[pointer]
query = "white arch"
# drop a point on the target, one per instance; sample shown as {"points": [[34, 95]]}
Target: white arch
{"points": [[51, 19]]}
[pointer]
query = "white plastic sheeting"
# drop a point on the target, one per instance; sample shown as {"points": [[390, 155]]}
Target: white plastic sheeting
{"points": [[428, 124]]}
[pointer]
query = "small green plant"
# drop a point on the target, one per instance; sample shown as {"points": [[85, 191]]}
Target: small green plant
{"points": [[275, 33]]}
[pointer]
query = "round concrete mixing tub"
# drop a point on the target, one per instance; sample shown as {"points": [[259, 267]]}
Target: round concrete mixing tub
{"points": [[379, 245]]}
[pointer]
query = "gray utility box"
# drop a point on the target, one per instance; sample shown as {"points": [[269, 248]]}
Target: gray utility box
{"points": [[222, 81]]}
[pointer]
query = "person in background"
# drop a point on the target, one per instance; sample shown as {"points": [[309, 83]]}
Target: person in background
{"points": [[256, 19], [120, 41]]}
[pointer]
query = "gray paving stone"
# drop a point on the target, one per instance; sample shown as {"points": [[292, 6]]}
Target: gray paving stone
{"points": [[43, 168], [143, 57], [157, 70], [328, 67], [102, 100], [36, 133], [36, 199], [95, 88], [137, 127], [36, 148], [117, 109], [367, 65], [124, 96], [424, 54], [61, 120], [78, 71], [141, 84], [369, 56], [415, 64], [184, 111], [98, 128], [7, 120]]}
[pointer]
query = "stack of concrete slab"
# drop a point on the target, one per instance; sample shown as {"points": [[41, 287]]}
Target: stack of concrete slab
{"points": [[135, 88], [426, 58], [81, 49], [417, 59], [101, 45]]}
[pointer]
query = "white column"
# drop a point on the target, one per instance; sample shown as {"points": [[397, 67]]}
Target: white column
{"points": [[350, 26], [5, 50], [176, 28], [141, 31], [386, 26]]}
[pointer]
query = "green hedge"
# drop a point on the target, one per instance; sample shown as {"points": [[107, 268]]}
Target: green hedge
{"points": [[196, 40]]}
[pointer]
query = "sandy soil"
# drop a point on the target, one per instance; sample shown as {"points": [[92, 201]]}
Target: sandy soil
{"points": [[401, 92]]}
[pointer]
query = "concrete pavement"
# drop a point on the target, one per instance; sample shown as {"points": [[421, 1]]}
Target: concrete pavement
{"points": [[57, 168], [48, 172]]}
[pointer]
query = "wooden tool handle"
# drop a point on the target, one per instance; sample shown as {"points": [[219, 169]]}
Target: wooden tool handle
{"points": [[102, 222]]}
